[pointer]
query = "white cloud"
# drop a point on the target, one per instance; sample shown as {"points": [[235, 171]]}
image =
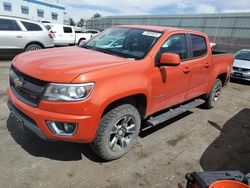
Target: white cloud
{"points": [[78, 9], [205, 8], [235, 10], [181, 5], [128, 7]]}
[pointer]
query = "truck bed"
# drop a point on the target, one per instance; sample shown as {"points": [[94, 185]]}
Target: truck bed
{"points": [[218, 53], [222, 61]]}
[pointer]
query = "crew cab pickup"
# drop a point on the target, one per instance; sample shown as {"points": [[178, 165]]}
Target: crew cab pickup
{"points": [[101, 94]]}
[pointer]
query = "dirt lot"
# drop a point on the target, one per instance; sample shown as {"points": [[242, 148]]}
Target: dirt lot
{"points": [[216, 139]]}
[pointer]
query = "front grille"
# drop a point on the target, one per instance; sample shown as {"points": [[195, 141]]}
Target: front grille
{"points": [[241, 69], [27, 89]]}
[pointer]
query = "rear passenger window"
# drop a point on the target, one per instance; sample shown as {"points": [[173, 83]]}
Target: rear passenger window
{"points": [[8, 25], [31, 26], [67, 29], [199, 46], [176, 44]]}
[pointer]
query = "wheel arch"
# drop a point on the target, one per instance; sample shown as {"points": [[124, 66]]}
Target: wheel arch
{"points": [[223, 78], [34, 42], [138, 100], [80, 39]]}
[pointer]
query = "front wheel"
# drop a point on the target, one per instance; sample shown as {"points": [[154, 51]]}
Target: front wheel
{"points": [[213, 95], [117, 132]]}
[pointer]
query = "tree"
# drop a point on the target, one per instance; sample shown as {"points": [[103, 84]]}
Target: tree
{"points": [[97, 15], [81, 23], [71, 22]]}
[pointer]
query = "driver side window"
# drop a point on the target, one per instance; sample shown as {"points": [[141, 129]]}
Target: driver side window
{"points": [[176, 44]]}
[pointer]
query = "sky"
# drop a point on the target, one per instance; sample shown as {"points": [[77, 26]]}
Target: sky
{"points": [[87, 8]]}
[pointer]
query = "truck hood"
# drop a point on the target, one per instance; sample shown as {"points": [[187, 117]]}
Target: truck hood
{"points": [[63, 64], [242, 64]]}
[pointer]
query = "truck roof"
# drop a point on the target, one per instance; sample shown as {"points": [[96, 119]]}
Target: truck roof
{"points": [[158, 28], [20, 19]]}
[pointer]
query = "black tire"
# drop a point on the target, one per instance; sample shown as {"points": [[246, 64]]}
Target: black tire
{"points": [[213, 95], [109, 143], [33, 47]]}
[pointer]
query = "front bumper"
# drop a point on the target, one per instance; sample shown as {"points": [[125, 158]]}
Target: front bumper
{"points": [[25, 120], [35, 119], [240, 75]]}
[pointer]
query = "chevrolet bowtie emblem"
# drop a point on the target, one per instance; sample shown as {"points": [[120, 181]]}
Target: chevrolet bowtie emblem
{"points": [[18, 83]]}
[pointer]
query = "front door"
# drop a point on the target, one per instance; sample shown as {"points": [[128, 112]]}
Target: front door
{"points": [[169, 85], [11, 35], [69, 35]]}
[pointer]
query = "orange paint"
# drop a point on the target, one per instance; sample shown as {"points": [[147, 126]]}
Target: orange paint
{"points": [[115, 78]]}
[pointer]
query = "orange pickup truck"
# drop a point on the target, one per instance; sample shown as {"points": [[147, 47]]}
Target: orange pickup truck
{"points": [[101, 92]]}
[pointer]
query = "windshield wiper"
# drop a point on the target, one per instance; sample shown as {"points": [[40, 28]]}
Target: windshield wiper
{"points": [[103, 50], [85, 46], [110, 52], [97, 49]]}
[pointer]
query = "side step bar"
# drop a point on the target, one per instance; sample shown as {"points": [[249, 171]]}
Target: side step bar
{"points": [[153, 121]]}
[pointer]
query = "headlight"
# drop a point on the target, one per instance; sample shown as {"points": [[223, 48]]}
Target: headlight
{"points": [[67, 92]]}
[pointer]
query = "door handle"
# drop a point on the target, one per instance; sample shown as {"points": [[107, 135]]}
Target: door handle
{"points": [[186, 70], [207, 65], [19, 36]]}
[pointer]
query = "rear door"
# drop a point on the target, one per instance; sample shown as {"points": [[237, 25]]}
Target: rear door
{"points": [[11, 35], [170, 84], [68, 35], [200, 65], [33, 32]]}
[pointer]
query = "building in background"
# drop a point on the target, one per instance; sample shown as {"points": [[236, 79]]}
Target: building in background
{"points": [[37, 10], [230, 31]]}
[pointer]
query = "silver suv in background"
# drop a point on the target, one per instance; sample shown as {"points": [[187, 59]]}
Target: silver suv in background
{"points": [[18, 35]]}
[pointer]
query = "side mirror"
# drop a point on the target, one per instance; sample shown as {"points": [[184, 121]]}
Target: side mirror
{"points": [[170, 59]]}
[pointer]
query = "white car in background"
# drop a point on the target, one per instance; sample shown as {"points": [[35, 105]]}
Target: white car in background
{"points": [[241, 66], [18, 35], [67, 35]]}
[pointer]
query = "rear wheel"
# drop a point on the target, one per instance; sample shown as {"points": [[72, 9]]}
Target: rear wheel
{"points": [[214, 94], [81, 42], [117, 132], [33, 47]]}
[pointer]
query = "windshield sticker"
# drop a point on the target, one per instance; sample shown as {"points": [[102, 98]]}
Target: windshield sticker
{"points": [[151, 34]]}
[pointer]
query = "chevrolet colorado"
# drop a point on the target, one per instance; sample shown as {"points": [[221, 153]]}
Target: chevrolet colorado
{"points": [[100, 94]]}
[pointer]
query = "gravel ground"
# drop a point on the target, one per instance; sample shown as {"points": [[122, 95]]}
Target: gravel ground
{"points": [[216, 139]]}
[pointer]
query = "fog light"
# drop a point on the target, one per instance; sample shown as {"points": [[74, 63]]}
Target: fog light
{"points": [[62, 128]]}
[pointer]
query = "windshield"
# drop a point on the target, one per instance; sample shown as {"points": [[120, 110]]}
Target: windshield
{"points": [[243, 55], [124, 42]]}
